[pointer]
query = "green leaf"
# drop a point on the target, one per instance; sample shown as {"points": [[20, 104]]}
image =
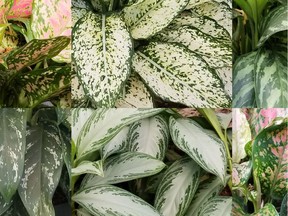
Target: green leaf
{"points": [[271, 83], [241, 173], [177, 187], [267, 210], [104, 124], [219, 205], [150, 136], [237, 207], [42, 170], [125, 167], [12, 149], [274, 22], [284, 207], [4, 206], [224, 119], [84, 167], [106, 200], [38, 86], [102, 49], [207, 150], [147, 17], [80, 4], [178, 75], [82, 212]]}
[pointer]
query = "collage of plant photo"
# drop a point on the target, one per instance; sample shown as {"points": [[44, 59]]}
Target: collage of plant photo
{"points": [[143, 107]]}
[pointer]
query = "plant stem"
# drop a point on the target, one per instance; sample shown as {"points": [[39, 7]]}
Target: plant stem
{"points": [[258, 189]]}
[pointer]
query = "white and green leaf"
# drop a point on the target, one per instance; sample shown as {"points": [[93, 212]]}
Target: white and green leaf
{"points": [[219, 205], [268, 210], [241, 173], [85, 167]]}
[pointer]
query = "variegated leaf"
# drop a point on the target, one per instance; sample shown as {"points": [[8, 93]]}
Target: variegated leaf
{"points": [[104, 124], [224, 119], [84, 167], [136, 94], [150, 136], [105, 200], [81, 4], [218, 206], [37, 86], [207, 150], [145, 18], [177, 187], [176, 74], [10, 41], [4, 206], [82, 212], [241, 173], [101, 57], [42, 170], [237, 206], [243, 81], [267, 210], [12, 150], [35, 51], [20, 9], [284, 207], [77, 13], [16, 208], [5, 6], [274, 22], [193, 3], [270, 159], [63, 100], [271, 83], [125, 167]]}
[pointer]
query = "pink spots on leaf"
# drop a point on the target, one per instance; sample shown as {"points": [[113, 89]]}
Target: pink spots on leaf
{"points": [[280, 137], [235, 177], [278, 151]]}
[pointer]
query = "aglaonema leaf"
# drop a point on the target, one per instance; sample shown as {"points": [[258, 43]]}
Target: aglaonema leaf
{"points": [[267, 210], [218, 205], [20, 8], [241, 173]]}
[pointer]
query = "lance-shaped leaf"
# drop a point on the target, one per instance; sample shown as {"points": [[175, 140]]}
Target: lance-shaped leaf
{"points": [[267, 210], [107, 199], [238, 206], [20, 8], [150, 136], [271, 83], [104, 124], [274, 22], [243, 81], [177, 187], [207, 150], [241, 173], [42, 170], [284, 206], [37, 86], [219, 205], [125, 167], [4, 206], [270, 159], [84, 167], [145, 18], [193, 3], [178, 75], [102, 49], [35, 51], [12, 150]]}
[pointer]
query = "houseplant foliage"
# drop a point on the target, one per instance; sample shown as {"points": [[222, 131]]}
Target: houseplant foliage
{"points": [[260, 53], [130, 53], [34, 157], [150, 162], [260, 164], [34, 53]]}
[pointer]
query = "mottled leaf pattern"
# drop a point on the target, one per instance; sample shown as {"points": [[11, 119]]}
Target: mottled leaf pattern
{"points": [[218, 206], [20, 8], [241, 173], [84, 167], [267, 210]]}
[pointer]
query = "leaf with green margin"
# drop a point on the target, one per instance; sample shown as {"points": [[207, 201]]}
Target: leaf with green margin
{"points": [[42, 170], [284, 207], [218, 205], [178, 75], [177, 187], [39, 85], [35, 51], [102, 58], [270, 159], [124, 167], [271, 83], [191, 138], [274, 22], [12, 149], [84, 167], [106, 200], [146, 18], [150, 136], [106, 123], [241, 173], [267, 210]]}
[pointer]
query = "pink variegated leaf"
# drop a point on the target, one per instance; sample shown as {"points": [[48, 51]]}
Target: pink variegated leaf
{"points": [[20, 9]]}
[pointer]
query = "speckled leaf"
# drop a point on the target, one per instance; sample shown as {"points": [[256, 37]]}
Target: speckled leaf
{"points": [[5, 6], [274, 22], [241, 173], [35, 51], [125, 167], [84, 167], [270, 159], [4, 206], [176, 74], [102, 49], [150, 136], [177, 187], [207, 150], [12, 149], [219, 205], [267, 210], [271, 83], [20, 9], [145, 18], [81, 4], [42, 170], [77, 13], [103, 200], [38, 86]]}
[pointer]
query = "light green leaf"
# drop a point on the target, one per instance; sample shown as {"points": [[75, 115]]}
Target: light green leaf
{"points": [[241, 173], [125, 167], [176, 74], [177, 187], [82, 212], [102, 49], [218, 206], [12, 150], [224, 119], [145, 18], [207, 150], [84, 167], [150, 136], [267, 210], [103, 200]]}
